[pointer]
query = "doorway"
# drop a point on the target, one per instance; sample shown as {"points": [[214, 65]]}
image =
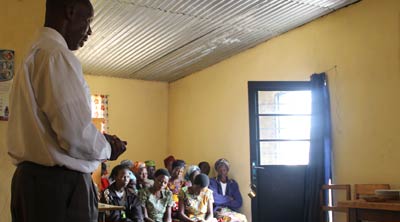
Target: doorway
{"points": [[280, 121]]}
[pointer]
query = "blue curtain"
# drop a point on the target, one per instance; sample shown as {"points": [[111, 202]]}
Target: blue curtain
{"points": [[318, 171]]}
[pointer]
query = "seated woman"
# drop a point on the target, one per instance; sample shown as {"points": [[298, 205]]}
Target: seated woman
{"points": [[196, 202], [157, 200], [168, 163], [175, 184], [227, 197], [151, 168], [140, 170], [119, 194], [104, 181]]}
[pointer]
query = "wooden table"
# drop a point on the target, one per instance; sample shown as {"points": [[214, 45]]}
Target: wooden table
{"points": [[388, 211], [104, 207]]}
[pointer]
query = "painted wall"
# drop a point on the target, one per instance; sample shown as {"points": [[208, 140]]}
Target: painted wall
{"points": [[138, 113], [208, 111]]}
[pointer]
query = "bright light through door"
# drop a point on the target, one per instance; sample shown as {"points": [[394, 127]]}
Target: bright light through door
{"points": [[284, 121]]}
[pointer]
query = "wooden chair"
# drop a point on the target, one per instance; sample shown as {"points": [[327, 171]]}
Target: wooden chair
{"points": [[326, 208], [368, 189]]}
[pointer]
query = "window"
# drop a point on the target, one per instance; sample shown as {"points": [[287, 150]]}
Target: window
{"points": [[283, 119], [99, 108]]}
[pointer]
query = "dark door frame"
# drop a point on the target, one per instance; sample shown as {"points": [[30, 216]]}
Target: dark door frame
{"points": [[253, 88]]}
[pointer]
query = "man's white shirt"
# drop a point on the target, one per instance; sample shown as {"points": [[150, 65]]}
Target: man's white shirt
{"points": [[50, 116]]}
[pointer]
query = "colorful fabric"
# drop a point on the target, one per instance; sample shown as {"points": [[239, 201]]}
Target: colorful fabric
{"points": [[150, 163], [104, 183], [196, 205], [221, 162], [227, 215], [99, 105], [137, 166], [175, 187], [155, 207]]}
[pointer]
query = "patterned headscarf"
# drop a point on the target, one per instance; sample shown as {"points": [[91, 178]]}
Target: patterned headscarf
{"points": [[190, 170], [127, 163], [137, 166], [221, 162], [150, 163]]}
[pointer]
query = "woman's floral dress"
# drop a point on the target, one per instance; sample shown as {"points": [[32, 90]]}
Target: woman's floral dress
{"points": [[196, 205]]}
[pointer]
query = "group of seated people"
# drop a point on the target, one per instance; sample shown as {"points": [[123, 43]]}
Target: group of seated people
{"points": [[150, 194]]}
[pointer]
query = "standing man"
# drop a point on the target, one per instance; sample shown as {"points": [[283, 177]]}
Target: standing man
{"points": [[51, 138]]}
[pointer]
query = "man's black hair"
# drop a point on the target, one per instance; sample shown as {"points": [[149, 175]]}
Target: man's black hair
{"points": [[59, 4]]}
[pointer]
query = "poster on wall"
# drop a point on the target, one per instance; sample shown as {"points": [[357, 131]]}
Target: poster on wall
{"points": [[6, 76]]}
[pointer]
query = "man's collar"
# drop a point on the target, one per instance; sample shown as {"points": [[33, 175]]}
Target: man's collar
{"points": [[55, 35]]}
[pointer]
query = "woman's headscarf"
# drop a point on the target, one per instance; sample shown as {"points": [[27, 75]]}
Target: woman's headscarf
{"points": [[168, 160], [190, 170], [137, 166], [150, 163], [127, 163], [220, 163]]}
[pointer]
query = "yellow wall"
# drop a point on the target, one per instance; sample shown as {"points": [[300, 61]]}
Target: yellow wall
{"points": [[208, 111], [138, 113]]}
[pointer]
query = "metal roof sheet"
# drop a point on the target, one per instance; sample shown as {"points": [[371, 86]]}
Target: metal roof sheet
{"points": [[164, 40]]}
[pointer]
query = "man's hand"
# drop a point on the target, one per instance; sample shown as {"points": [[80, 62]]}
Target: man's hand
{"points": [[117, 146]]}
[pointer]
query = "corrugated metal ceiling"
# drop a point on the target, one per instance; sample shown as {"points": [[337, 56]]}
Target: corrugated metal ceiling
{"points": [[164, 40]]}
